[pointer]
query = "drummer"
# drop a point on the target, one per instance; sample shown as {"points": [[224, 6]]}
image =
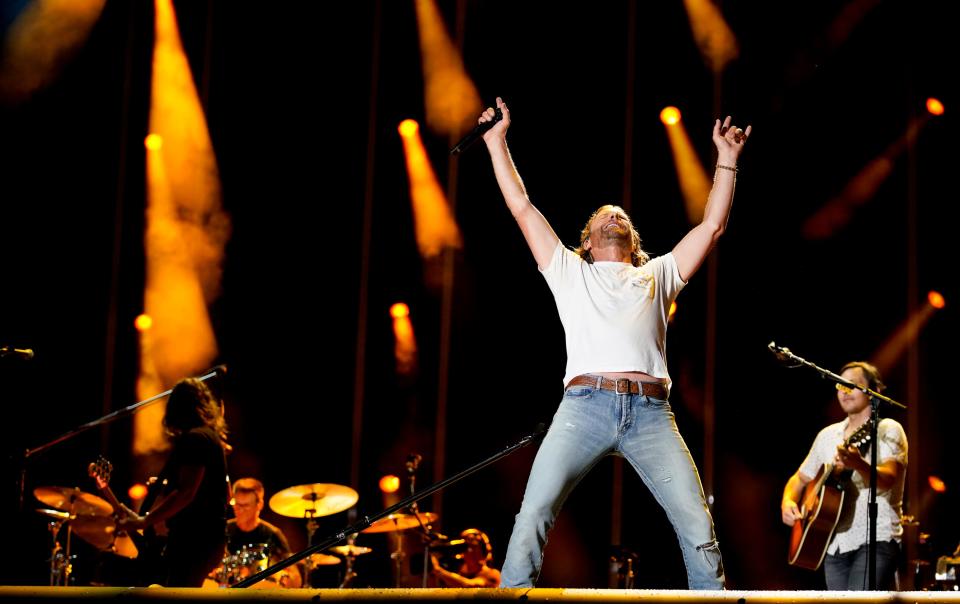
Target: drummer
{"points": [[246, 528]]}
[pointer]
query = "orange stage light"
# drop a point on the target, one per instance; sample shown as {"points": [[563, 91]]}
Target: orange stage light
{"points": [[43, 38], [153, 142], [934, 106], [389, 484], [936, 484], [718, 46], [435, 227], [143, 322], [137, 491], [670, 115], [399, 310], [692, 177], [408, 127], [673, 310], [450, 97], [936, 300]]}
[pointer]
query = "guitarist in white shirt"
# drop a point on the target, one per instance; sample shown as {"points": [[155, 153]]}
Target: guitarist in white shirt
{"points": [[845, 563]]}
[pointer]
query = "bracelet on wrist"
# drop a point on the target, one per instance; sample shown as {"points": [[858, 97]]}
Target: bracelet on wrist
{"points": [[733, 169]]}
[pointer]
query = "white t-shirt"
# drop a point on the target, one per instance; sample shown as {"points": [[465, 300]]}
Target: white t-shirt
{"points": [[851, 531], [614, 314]]}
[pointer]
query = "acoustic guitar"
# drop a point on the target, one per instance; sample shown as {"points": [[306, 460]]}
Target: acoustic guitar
{"points": [[820, 507]]}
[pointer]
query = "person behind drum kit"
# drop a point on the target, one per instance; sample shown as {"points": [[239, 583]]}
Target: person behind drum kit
{"points": [[474, 569], [845, 563], [193, 494], [248, 529]]}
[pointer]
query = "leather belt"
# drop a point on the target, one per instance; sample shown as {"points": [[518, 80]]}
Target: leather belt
{"points": [[621, 385]]}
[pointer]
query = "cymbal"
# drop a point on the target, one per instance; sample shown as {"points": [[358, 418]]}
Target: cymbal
{"points": [[101, 532], [399, 522], [73, 500], [349, 550], [54, 514], [324, 560], [312, 500]]}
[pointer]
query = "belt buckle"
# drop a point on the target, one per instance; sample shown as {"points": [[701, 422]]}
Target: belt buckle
{"points": [[617, 385]]}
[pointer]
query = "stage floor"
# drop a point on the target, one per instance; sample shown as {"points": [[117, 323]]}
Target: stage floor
{"points": [[160, 594]]}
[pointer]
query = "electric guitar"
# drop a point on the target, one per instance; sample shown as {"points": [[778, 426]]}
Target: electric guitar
{"points": [[147, 544], [820, 508]]}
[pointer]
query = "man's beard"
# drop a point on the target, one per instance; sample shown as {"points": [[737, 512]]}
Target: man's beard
{"points": [[615, 237]]}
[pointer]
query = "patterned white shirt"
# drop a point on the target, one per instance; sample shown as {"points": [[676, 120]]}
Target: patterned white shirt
{"points": [[853, 526]]}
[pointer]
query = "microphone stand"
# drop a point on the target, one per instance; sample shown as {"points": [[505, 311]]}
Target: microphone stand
{"points": [[218, 370], [368, 520], [875, 398]]}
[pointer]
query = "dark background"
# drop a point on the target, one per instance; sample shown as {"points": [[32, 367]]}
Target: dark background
{"points": [[287, 90]]}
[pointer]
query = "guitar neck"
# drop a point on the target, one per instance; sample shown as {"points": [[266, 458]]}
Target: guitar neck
{"points": [[111, 498]]}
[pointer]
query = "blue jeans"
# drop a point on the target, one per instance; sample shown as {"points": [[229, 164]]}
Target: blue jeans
{"points": [[589, 425], [848, 571]]}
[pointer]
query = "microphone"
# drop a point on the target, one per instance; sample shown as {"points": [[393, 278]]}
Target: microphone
{"points": [[21, 353], [472, 136], [218, 371], [413, 461], [782, 354]]}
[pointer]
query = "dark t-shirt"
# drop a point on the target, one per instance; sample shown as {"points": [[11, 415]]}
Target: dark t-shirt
{"points": [[205, 516], [264, 533]]}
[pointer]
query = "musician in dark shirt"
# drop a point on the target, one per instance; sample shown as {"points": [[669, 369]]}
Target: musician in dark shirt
{"points": [[191, 492], [265, 543]]}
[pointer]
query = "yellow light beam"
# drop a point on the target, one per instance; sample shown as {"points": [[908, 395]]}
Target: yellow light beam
{"points": [[718, 46], [839, 210], [186, 231], [404, 341], [43, 38], [693, 180], [908, 331], [434, 224], [452, 101]]}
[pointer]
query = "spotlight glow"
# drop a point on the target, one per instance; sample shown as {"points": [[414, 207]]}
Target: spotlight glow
{"points": [[934, 106], [143, 322], [389, 484], [399, 310], [670, 115], [936, 300], [153, 142], [137, 491], [408, 128], [936, 484]]}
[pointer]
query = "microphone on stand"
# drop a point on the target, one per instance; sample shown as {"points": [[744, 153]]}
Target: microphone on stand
{"points": [[782, 353], [477, 133]]}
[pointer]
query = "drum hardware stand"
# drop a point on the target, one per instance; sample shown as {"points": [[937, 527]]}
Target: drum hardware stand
{"points": [[312, 526], [368, 520], [61, 562], [348, 574]]}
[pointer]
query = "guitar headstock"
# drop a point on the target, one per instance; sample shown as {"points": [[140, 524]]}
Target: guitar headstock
{"points": [[100, 471], [860, 438]]}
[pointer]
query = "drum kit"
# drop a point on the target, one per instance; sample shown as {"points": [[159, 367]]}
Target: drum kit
{"points": [[91, 518], [310, 502], [85, 515]]}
